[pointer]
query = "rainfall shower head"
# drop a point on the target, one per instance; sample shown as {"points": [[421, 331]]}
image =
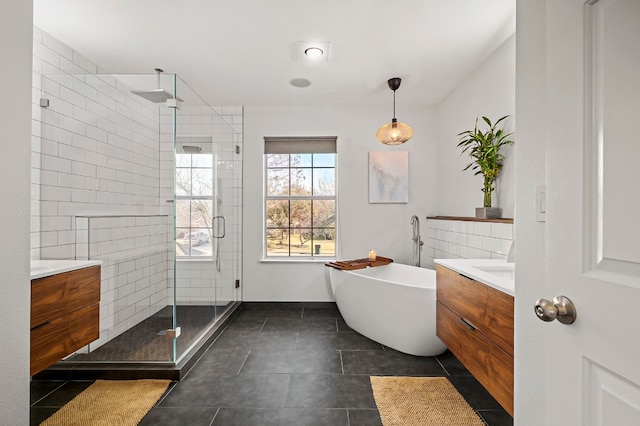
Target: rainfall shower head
{"points": [[154, 95], [157, 95], [191, 149]]}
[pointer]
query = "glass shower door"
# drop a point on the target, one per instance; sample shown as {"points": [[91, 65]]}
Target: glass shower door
{"points": [[208, 213]]}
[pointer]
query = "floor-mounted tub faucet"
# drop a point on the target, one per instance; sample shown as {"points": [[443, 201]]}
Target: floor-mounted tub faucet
{"points": [[417, 241]]}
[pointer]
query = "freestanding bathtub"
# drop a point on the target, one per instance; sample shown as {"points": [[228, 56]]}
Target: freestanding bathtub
{"points": [[393, 304]]}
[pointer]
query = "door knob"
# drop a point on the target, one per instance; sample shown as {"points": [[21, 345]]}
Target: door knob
{"points": [[560, 308]]}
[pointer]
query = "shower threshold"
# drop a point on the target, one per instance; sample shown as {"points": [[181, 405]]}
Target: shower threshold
{"points": [[143, 353]]}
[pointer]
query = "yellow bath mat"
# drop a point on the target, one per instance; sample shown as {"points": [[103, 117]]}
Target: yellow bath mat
{"points": [[110, 402], [423, 401]]}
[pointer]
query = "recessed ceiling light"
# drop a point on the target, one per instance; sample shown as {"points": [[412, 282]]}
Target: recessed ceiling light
{"points": [[300, 82], [310, 51], [313, 52]]}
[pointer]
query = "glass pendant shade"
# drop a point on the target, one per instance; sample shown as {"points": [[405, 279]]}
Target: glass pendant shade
{"points": [[394, 133]]}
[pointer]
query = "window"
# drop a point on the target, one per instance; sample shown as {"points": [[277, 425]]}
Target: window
{"points": [[300, 197], [194, 200]]}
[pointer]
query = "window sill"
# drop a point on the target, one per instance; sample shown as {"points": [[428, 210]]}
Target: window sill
{"points": [[297, 260], [194, 259]]}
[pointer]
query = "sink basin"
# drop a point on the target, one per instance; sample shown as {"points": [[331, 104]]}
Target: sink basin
{"points": [[502, 272]]}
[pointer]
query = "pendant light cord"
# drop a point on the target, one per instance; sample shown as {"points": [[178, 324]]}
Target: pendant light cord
{"points": [[394, 104]]}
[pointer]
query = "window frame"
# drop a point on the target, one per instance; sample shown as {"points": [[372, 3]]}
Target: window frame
{"points": [[191, 198], [308, 145]]}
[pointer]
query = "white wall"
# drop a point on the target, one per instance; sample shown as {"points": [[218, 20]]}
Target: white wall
{"points": [[361, 226], [530, 245], [437, 183], [488, 91], [16, 20]]}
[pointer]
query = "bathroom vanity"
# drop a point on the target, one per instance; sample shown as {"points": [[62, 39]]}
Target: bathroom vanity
{"points": [[65, 309], [474, 319]]}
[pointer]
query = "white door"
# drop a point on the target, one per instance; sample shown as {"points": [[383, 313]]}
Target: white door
{"points": [[592, 367]]}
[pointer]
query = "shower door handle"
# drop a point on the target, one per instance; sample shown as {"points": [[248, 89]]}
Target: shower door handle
{"points": [[216, 229]]}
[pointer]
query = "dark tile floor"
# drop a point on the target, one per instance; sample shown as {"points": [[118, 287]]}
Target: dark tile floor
{"points": [[285, 364]]}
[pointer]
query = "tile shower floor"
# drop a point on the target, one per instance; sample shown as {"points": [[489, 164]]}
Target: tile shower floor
{"points": [[285, 364], [146, 341]]}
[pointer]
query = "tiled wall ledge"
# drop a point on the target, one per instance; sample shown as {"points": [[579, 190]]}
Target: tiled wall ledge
{"points": [[470, 219], [467, 238]]}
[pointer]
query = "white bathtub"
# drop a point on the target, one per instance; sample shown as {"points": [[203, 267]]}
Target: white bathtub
{"points": [[393, 304]]}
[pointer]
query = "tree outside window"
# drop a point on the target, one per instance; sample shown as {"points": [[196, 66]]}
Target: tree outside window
{"points": [[194, 204], [300, 204]]}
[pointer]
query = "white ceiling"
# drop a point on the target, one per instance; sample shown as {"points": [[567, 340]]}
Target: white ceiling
{"points": [[238, 52]]}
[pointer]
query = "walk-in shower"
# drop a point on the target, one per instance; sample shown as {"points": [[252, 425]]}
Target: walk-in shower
{"points": [[149, 182]]}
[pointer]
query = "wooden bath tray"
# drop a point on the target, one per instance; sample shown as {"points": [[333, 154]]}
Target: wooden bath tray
{"points": [[348, 265]]}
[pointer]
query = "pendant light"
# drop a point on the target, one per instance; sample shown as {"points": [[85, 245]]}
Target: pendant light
{"points": [[394, 133]]}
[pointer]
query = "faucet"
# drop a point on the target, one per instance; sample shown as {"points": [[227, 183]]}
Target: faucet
{"points": [[417, 241]]}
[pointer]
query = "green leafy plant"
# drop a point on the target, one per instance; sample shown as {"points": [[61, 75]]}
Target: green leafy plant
{"points": [[484, 148]]}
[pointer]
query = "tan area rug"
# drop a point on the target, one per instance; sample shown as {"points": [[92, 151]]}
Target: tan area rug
{"points": [[423, 401], [110, 402]]}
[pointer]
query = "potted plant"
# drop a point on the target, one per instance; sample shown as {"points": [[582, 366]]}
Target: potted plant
{"points": [[484, 148]]}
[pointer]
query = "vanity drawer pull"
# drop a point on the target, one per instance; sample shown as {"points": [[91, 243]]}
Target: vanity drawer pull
{"points": [[40, 325], [469, 325]]}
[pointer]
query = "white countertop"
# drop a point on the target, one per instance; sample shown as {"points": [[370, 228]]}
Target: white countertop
{"points": [[492, 272], [45, 268]]}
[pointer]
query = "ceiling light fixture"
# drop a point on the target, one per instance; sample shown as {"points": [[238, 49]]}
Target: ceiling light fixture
{"points": [[313, 52], [394, 133], [310, 51]]}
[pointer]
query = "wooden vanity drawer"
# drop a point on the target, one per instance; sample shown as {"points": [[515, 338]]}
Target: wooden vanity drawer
{"points": [[53, 296], [54, 340], [486, 308], [490, 365]]}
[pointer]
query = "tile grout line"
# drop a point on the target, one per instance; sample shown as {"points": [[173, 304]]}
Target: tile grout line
{"points": [[244, 362], [263, 324], [166, 393], [443, 367], [214, 416], [341, 362], [49, 393], [286, 394], [481, 417]]}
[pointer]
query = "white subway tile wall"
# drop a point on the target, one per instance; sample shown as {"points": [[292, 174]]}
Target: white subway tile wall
{"points": [[95, 152], [457, 239]]}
